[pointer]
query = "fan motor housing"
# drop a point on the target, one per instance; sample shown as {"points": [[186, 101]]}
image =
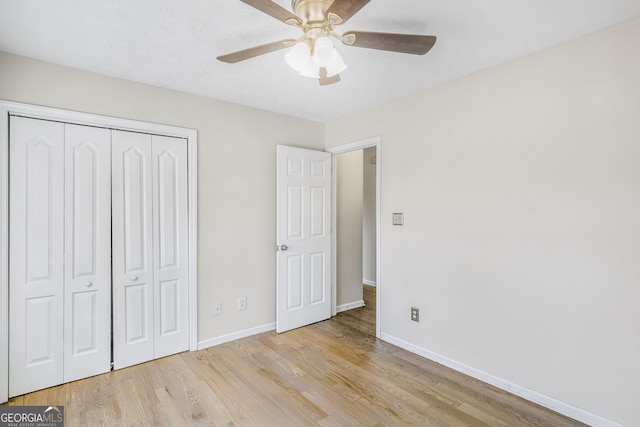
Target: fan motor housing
{"points": [[311, 10]]}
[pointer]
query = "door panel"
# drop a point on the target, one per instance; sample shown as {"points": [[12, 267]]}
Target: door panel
{"points": [[136, 318], [132, 243], [39, 331], [295, 282], [36, 244], [304, 228], [295, 210], [317, 278], [170, 234], [87, 251], [169, 307], [136, 192]]}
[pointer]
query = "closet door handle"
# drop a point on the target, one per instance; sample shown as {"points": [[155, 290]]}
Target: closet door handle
{"points": [[134, 278], [88, 284]]}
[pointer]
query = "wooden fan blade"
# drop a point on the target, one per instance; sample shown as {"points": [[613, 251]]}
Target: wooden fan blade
{"points": [[324, 80], [344, 9], [404, 43], [252, 52], [273, 9]]}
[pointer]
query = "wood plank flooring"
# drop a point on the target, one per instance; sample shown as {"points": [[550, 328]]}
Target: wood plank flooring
{"points": [[333, 373]]}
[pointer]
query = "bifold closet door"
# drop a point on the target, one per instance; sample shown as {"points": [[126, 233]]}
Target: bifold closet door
{"points": [[87, 301], [36, 247], [132, 248], [60, 280], [170, 236], [150, 247]]}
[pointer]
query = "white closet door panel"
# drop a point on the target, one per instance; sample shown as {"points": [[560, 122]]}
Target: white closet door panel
{"points": [[170, 237], [36, 244], [132, 248], [87, 252]]}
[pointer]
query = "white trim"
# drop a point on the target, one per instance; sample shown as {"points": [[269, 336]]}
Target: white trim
{"points": [[528, 394], [334, 239], [374, 141], [369, 282], [67, 116], [4, 257], [236, 336], [192, 183], [350, 306]]}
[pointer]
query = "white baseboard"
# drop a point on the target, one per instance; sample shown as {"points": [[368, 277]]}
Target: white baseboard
{"points": [[236, 336], [530, 395], [350, 306], [369, 282]]}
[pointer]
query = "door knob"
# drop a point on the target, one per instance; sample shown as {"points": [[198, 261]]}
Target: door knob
{"points": [[284, 247], [134, 278], [88, 284]]}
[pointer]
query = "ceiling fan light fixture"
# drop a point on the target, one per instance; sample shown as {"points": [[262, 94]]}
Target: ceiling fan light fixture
{"points": [[310, 69], [298, 56], [337, 66], [313, 54], [324, 53]]}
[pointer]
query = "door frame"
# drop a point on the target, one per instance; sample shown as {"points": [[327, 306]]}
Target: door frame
{"points": [[376, 142], [38, 112]]}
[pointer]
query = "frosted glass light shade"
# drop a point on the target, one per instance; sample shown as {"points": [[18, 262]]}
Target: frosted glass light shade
{"points": [[337, 66], [310, 69], [323, 52], [298, 56]]}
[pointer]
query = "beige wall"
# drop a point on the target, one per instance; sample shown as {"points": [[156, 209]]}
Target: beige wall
{"points": [[369, 216], [236, 174], [349, 228], [521, 192]]}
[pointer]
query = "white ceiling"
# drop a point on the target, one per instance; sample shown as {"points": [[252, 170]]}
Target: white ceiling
{"points": [[174, 44]]}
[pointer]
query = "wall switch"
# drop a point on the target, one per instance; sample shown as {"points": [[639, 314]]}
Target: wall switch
{"points": [[398, 218], [242, 303], [415, 314], [217, 309]]}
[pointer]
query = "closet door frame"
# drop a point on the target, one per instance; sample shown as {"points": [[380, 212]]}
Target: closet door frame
{"points": [[8, 108]]}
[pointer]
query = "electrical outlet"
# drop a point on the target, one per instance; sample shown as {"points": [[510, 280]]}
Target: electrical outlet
{"points": [[217, 309], [242, 303], [415, 314]]}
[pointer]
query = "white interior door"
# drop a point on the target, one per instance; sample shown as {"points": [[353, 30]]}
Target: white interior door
{"points": [[87, 301], [170, 237], [132, 248], [36, 245], [303, 237]]}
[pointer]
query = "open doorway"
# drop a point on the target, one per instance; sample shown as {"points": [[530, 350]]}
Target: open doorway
{"points": [[356, 238], [369, 236]]}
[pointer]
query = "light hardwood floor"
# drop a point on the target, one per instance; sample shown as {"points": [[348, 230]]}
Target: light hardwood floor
{"points": [[332, 373]]}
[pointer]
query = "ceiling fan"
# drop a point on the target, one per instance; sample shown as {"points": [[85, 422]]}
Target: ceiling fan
{"points": [[313, 54]]}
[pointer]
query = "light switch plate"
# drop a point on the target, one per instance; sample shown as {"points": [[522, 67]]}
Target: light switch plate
{"points": [[398, 218]]}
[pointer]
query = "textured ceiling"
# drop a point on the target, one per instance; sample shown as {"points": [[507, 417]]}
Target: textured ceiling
{"points": [[174, 44]]}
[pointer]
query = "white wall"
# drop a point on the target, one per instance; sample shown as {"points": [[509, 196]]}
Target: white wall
{"points": [[349, 228], [369, 216], [237, 176], [521, 192]]}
